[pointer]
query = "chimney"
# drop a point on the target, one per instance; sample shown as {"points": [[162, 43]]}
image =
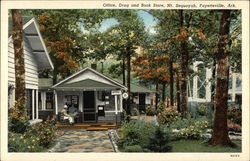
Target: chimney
{"points": [[93, 66]]}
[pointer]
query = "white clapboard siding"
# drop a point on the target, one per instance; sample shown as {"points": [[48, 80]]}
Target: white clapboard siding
{"points": [[31, 74]]}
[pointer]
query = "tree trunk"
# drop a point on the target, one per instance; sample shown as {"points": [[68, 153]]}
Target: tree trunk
{"points": [[178, 100], [128, 80], [55, 74], [19, 61], [123, 72], [163, 91], [156, 95], [213, 85], [171, 83], [220, 129], [184, 64]]}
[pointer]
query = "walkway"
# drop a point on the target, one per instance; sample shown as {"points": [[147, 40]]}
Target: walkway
{"points": [[80, 140]]}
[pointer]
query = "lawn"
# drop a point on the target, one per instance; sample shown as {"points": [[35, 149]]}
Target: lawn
{"points": [[198, 146]]}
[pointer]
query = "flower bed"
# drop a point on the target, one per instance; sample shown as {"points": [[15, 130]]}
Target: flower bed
{"points": [[36, 138]]}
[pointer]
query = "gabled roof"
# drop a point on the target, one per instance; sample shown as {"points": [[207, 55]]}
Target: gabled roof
{"points": [[34, 37], [88, 78], [135, 88], [87, 84]]}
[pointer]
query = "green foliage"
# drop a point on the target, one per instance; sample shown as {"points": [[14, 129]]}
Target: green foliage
{"points": [[47, 131], [133, 148], [202, 109], [150, 111], [160, 107], [24, 142], [125, 117], [136, 132], [159, 141], [38, 138], [168, 116], [235, 115], [18, 121], [194, 131]]}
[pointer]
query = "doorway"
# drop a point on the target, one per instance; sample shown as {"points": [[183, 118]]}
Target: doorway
{"points": [[89, 110], [142, 99]]}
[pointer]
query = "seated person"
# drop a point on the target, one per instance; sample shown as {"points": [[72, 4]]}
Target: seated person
{"points": [[73, 112], [66, 116]]}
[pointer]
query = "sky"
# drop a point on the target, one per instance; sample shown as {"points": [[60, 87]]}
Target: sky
{"points": [[147, 18]]}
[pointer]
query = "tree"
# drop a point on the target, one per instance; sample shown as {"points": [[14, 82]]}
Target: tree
{"points": [[17, 37], [124, 40], [151, 66], [62, 33], [220, 129]]}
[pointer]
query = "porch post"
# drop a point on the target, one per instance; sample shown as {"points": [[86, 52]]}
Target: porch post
{"points": [[116, 104], [37, 104], [33, 104], [56, 104], [116, 109], [121, 108]]}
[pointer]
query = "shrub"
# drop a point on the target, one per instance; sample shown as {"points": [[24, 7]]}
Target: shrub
{"points": [[135, 132], [133, 148], [233, 126], [166, 117], [36, 139], [235, 115], [181, 123], [160, 107], [23, 143], [194, 131], [47, 131], [150, 111], [202, 109], [18, 122], [158, 142]]}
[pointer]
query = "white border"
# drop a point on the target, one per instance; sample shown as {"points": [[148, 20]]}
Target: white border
{"points": [[5, 5]]}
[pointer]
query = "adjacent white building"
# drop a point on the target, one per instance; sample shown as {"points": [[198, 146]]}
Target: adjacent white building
{"points": [[36, 58]]}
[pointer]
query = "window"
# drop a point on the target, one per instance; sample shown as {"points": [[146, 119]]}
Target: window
{"points": [[49, 100], [72, 100], [100, 95], [201, 82], [230, 83], [238, 84]]}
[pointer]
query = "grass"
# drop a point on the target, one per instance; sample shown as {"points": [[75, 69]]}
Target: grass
{"points": [[198, 146]]}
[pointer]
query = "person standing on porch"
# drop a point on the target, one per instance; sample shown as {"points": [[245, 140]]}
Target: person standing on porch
{"points": [[66, 116]]}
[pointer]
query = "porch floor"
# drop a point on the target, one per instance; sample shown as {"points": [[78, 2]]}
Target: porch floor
{"points": [[88, 126]]}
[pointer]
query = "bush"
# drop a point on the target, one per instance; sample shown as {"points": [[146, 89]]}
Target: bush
{"points": [[235, 115], [194, 131], [135, 132], [202, 109], [18, 122], [160, 107], [159, 141], [166, 117], [133, 148], [36, 139], [23, 143], [150, 111], [47, 131]]}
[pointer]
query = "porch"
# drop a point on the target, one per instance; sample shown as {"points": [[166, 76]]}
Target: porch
{"points": [[98, 126]]}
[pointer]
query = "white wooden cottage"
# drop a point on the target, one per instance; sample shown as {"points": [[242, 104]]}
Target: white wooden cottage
{"points": [[36, 58], [97, 97]]}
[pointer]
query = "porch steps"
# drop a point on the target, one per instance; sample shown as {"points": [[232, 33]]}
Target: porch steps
{"points": [[88, 126]]}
